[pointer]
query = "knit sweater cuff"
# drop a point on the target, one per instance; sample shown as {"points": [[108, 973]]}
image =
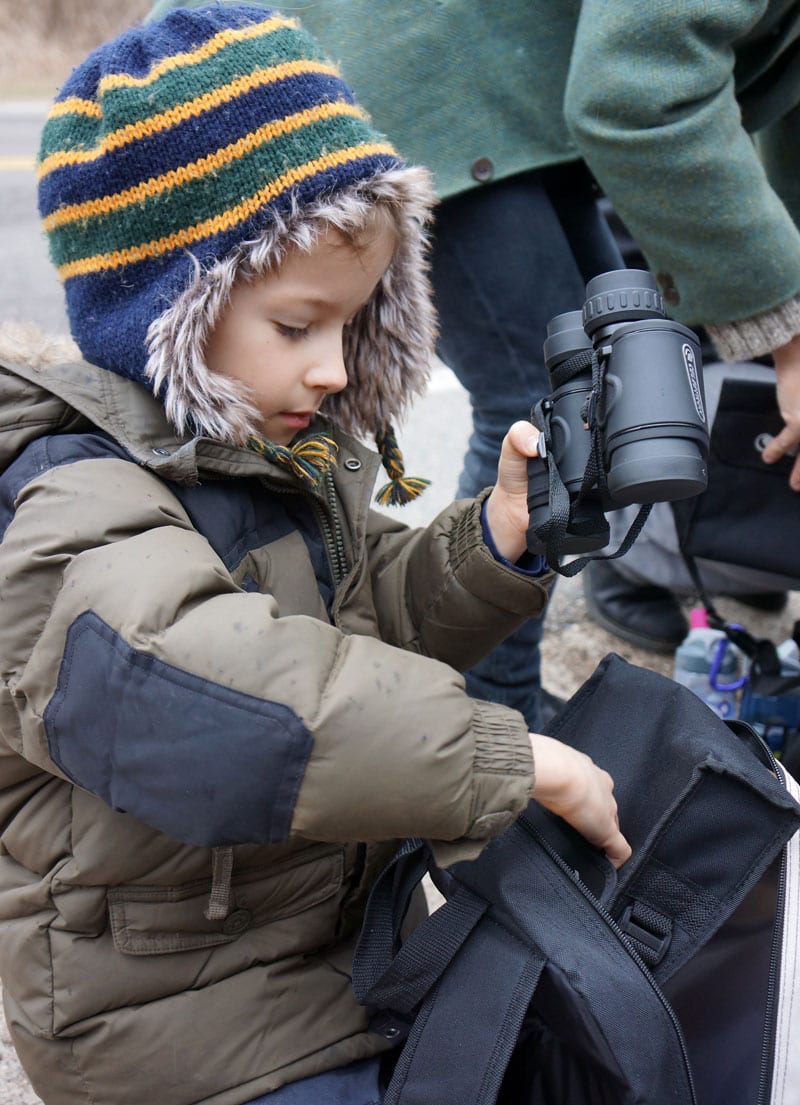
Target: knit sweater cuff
{"points": [[760, 334], [503, 777]]}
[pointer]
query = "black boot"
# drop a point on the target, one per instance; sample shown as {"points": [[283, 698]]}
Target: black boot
{"points": [[770, 602], [647, 616]]}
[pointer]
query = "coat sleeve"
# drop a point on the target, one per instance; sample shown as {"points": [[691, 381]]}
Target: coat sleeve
{"points": [[440, 591], [652, 104], [133, 665]]}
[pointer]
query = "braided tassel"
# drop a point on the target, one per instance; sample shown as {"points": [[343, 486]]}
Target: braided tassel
{"points": [[401, 488], [309, 459]]}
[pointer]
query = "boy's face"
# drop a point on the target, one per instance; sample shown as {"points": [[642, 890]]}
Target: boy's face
{"points": [[281, 334]]}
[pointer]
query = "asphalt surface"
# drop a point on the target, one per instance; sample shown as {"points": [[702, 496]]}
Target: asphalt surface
{"points": [[433, 442]]}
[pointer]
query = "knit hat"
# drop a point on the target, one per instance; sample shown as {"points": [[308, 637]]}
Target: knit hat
{"points": [[206, 143]]}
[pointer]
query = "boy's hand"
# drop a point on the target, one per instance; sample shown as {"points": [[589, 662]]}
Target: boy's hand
{"points": [[574, 787], [507, 506]]}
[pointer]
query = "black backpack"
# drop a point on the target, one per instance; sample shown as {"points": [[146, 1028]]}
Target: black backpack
{"points": [[547, 978]]}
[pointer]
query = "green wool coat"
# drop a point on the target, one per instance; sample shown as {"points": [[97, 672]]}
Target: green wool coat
{"points": [[687, 114]]}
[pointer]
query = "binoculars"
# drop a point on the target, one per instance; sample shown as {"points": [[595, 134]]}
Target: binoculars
{"points": [[626, 419]]}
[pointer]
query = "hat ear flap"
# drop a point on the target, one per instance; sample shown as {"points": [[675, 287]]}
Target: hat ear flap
{"points": [[389, 347]]}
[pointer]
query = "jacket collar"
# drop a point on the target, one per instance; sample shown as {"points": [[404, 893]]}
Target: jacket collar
{"points": [[132, 415]]}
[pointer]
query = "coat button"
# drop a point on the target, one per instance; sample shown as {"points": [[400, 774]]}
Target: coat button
{"points": [[237, 922], [352, 464], [161, 452], [482, 170]]}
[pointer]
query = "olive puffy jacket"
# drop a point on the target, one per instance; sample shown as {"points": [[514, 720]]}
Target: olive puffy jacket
{"points": [[221, 698]]}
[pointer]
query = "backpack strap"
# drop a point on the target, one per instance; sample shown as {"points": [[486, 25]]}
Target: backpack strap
{"points": [[388, 976], [514, 916], [461, 1041]]}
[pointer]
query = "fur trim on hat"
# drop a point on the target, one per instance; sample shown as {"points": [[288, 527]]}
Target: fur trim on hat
{"points": [[387, 348]]}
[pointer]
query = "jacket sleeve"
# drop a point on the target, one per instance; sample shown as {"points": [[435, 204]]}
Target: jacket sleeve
{"points": [[440, 591], [652, 104], [133, 665]]}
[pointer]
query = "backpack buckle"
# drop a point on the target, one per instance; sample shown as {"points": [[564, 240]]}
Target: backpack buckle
{"points": [[648, 930]]}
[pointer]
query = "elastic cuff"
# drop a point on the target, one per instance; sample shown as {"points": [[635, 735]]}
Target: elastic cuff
{"points": [[531, 564], [502, 744], [503, 585], [503, 778], [754, 337]]}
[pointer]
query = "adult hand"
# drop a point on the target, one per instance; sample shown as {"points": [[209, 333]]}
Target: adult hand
{"points": [[787, 380], [570, 784], [507, 506]]}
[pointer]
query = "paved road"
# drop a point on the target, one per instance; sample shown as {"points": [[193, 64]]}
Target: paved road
{"points": [[29, 287]]}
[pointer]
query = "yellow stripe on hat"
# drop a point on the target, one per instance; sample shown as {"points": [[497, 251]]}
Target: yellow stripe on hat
{"points": [[193, 57], [175, 178], [75, 106], [181, 112], [226, 220]]}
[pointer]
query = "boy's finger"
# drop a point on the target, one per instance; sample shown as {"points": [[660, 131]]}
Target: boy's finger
{"points": [[618, 850], [525, 438]]}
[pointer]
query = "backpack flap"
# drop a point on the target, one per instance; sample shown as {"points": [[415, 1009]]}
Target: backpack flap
{"points": [[704, 815]]}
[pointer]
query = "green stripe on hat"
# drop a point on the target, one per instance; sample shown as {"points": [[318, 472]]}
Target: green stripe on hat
{"points": [[165, 205]]}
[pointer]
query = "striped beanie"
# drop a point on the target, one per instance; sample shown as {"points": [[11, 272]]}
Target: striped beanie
{"points": [[198, 144]]}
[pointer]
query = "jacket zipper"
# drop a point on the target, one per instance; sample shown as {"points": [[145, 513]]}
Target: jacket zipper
{"points": [[331, 528], [328, 521], [612, 924]]}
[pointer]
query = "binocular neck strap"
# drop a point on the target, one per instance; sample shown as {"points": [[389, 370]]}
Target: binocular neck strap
{"points": [[580, 563]]}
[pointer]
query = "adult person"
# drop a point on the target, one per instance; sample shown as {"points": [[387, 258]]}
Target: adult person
{"points": [[686, 114]]}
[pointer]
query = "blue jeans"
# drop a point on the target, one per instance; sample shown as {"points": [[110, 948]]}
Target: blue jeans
{"points": [[507, 257], [356, 1084]]}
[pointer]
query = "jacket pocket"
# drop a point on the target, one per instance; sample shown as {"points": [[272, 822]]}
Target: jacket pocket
{"points": [[157, 920]]}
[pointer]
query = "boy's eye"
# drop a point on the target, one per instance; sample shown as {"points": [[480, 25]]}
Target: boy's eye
{"points": [[293, 333]]}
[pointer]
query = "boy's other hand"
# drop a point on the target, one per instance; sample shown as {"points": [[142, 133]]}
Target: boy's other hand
{"points": [[570, 784], [507, 506]]}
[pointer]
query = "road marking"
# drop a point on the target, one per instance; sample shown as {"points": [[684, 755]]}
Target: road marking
{"points": [[17, 164]]}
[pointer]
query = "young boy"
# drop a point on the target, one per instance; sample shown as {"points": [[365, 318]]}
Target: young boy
{"points": [[227, 684]]}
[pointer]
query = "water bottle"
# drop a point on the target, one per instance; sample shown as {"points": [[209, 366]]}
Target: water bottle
{"points": [[708, 664], [775, 717]]}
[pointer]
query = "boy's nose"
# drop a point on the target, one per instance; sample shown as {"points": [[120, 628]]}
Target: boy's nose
{"points": [[330, 371]]}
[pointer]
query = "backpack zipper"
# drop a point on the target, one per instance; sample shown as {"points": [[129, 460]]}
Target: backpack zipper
{"points": [[761, 747], [776, 948], [768, 1044], [560, 862]]}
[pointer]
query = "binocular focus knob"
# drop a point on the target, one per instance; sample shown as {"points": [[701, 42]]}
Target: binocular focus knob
{"points": [[625, 295]]}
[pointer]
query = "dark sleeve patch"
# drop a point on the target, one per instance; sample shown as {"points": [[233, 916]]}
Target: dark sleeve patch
{"points": [[201, 762]]}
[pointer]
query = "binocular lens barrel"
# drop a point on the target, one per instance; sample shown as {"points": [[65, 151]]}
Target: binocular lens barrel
{"points": [[649, 410]]}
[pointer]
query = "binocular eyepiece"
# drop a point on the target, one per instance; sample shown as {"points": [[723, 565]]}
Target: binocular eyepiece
{"points": [[625, 421]]}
